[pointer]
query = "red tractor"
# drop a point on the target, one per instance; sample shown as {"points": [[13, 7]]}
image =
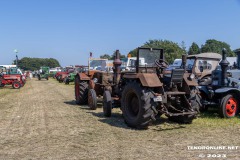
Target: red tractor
{"points": [[64, 73], [10, 77]]}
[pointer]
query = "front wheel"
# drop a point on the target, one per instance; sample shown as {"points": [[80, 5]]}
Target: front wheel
{"points": [[228, 106], [107, 104], [136, 105], [92, 99], [60, 79], [66, 80], [16, 85]]}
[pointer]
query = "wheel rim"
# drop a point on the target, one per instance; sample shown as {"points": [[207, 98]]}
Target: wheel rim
{"points": [[16, 85], [132, 104], [231, 107]]}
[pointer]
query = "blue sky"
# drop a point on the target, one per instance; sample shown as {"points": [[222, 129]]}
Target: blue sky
{"points": [[69, 29]]}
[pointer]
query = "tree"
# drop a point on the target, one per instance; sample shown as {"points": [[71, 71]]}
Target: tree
{"points": [[171, 49], [183, 46], [107, 56], [194, 49], [212, 45], [32, 64]]}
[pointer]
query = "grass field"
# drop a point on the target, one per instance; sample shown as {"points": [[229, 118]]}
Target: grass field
{"points": [[42, 121]]}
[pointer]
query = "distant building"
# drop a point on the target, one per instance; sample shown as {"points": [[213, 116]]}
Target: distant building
{"points": [[8, 66]]}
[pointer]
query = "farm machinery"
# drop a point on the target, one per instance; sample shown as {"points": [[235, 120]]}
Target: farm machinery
{"points": [[90, 82], [11, 76], [71, 76], [224, 90], [145, 91], [43, 73], [64, 73]]}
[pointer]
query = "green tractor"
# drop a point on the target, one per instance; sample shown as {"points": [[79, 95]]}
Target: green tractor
{"points": [[43, 73], [71, 76]]}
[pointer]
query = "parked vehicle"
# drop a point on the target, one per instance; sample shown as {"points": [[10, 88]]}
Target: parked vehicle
{"points": [[207, 62], [53, 71], [63, 73], [71, 77], [224, 91], [89, 84], [11, 76], [176, 64], [145, 92], [43, 73]]}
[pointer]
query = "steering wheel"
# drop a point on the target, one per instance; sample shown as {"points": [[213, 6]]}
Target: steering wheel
{"points": [[161, 63]]}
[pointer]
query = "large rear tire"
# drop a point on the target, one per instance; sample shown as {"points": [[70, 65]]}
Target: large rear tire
{"points": [[229, 106], [92, 99], [107, 104], [137, 106], [81, 91]]}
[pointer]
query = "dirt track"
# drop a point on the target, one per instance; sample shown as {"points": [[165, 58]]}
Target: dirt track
{"points": [[41, 121]]}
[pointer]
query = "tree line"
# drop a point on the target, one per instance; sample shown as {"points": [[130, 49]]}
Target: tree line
{"points": [[32, 64], [173, 50]]}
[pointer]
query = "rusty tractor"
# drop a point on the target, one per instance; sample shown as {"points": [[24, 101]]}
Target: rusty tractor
{"points": [[147, 91], [89, 84]]}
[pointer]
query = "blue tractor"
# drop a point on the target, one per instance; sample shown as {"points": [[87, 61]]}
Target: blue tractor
{"points": [[224, 91]]}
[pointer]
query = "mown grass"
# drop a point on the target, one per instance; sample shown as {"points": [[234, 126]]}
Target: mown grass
{"points": [[5, 90], [211, 118], [71, 84]]}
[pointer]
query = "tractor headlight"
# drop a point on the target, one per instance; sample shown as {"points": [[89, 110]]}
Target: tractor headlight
{"points": [[192, 76], [95, 80]]}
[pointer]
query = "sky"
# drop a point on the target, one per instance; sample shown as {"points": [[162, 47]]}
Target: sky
{"points": [[69, 29]]}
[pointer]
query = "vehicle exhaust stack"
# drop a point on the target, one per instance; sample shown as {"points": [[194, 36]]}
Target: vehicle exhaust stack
{"points": [[224, 64], [117, 69], [184, 61]]}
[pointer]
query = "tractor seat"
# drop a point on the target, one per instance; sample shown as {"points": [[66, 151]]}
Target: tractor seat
{"points": [[177, 76]]}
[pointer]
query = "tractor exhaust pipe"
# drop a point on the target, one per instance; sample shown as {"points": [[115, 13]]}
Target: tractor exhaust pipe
{"points": [[117, 70], [184, 61], [224, 64]]}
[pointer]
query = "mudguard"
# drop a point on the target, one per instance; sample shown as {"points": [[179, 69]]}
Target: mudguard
{"points": [[83, 76], [146, 79], [226, 89]]}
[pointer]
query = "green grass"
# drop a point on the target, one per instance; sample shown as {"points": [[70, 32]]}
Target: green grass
{"points": [[211, 118]]}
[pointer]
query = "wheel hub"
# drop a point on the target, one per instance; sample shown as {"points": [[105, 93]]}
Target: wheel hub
{"points": [[231, 107]]}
